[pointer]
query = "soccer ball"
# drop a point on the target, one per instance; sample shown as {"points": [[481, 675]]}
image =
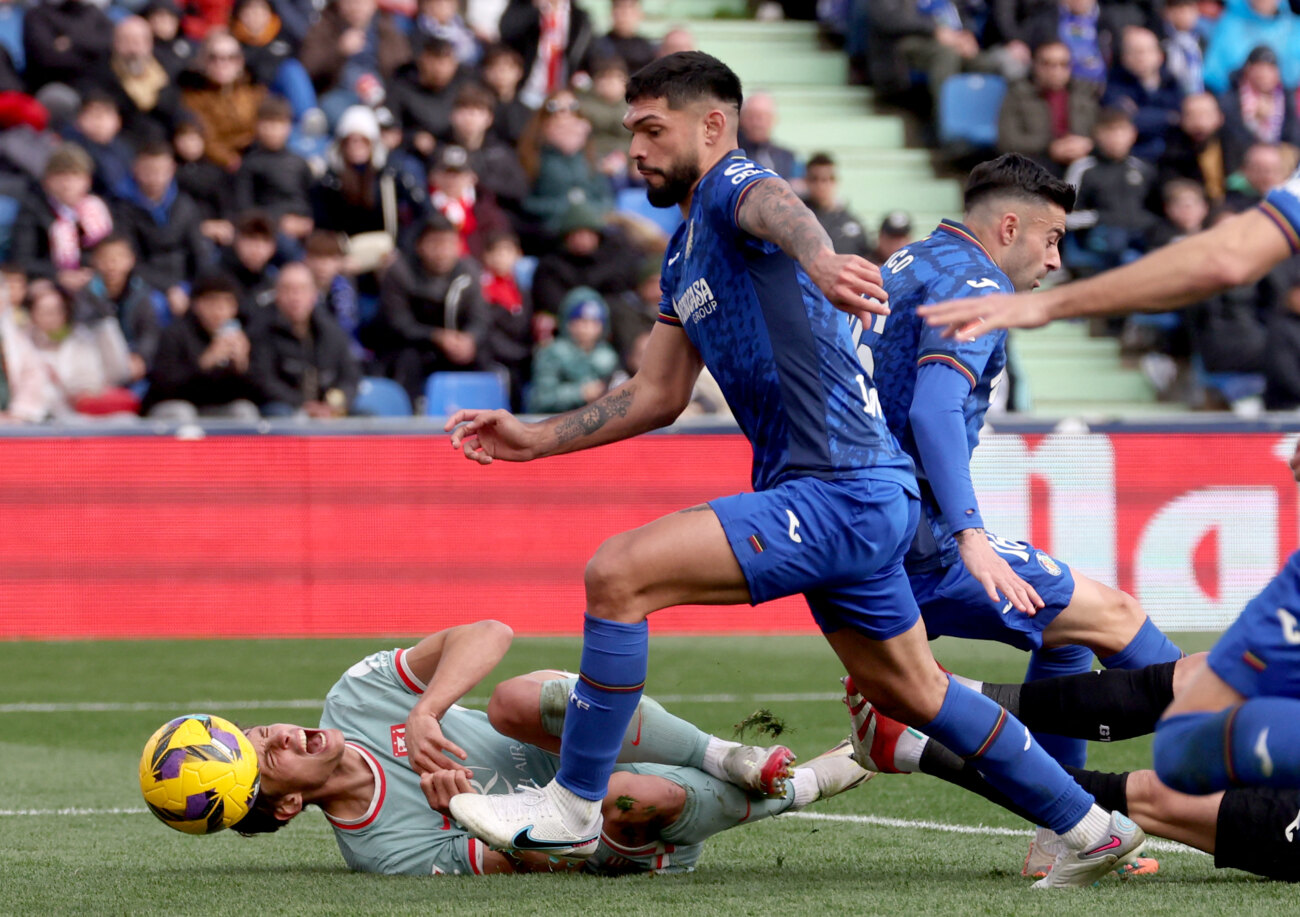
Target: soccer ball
{"points": [[199, 774]]}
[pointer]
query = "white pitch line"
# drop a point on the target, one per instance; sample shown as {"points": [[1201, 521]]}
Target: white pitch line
{"points": [[316, 704], [880, 821]]}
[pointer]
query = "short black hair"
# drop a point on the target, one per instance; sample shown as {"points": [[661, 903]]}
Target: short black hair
{"points": [[1018, 176], [685, 77], [214, 283], [258, 820], [819, 159]]}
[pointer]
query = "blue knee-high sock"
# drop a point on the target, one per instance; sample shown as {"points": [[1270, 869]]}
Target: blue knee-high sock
{"points": [[1256, 743], [610, 680], [1049, 663], [1148, 646], [1001, 748]]}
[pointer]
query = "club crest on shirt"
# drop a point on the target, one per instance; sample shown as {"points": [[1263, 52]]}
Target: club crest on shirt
{"points": [[398, 734], [695, 303], [1048, 564]]}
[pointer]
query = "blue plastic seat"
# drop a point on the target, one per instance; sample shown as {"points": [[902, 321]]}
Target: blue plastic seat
{"points": [[380, 397], [1231, 387], [968, 109], [446, 393]]}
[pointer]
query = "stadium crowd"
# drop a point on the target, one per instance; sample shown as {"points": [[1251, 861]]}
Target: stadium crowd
{"points": [[1167, 116]]}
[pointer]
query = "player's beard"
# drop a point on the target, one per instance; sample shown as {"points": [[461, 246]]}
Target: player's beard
{"points": [[679, 178]]}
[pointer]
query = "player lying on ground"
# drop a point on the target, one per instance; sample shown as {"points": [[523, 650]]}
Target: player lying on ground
{"points": [[935, 392], [393, 748], [1252, 828], [1238, 724], [751, 285]]}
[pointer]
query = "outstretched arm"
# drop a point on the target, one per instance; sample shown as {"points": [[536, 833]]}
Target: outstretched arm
{"points": [[450, 663], [653, 398], [1237, 251], [771, 211]]}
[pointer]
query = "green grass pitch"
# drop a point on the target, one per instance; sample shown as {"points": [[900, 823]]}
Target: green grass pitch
{"points": [[57, 752]]}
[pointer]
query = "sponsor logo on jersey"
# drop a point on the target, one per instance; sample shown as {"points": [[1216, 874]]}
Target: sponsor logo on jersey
{"points": [[398, 735], [696, 303], [1048, 564]]}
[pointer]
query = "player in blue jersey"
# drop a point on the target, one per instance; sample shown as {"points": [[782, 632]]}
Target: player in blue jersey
{"points": [[1238, 724], [396, 710], [750, 289], [935, 392]]}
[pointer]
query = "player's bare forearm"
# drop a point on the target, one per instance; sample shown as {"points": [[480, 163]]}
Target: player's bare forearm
{"points": [[453, 661], [773, 212], [618, 414]]}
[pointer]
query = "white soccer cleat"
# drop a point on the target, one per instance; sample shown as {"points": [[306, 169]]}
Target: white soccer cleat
{"points": [[1043, 851], [525, 820], [1118, 849], [760, 770], [835, 772]]}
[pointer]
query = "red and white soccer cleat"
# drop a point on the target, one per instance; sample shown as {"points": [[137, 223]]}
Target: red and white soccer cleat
{"points": [[874, 735], [763, 771]]}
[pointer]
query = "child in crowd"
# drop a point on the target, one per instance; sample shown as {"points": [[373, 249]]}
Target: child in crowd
{"points": [[510, 334], [139, 308], [207, 184], [575, 369], [273, 179], [338, 294]]}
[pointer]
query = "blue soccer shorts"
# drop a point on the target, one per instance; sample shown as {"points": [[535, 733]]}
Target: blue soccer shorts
{"points": [[839, 543], [955, 604], [1259, 654]]}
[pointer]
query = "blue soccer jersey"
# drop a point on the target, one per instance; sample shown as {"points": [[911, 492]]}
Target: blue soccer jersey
{"points": [[782, 354], [948, 264]]}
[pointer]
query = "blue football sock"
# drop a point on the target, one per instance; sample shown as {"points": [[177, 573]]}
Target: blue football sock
{"points": [[1256, 743], [1049, 663], [1002, 749], [611, 678], [1148, 647]]}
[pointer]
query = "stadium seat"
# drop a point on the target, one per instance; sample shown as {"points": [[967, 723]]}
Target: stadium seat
{"points": [[968, 110], [446, 393], [1234, 388], [379, 397], [8, 215]]}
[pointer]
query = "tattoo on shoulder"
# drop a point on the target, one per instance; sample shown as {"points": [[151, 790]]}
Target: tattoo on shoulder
{"points": [[772, 211], [585, 421]]}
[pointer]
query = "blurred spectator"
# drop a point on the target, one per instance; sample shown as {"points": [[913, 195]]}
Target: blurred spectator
{"points": [[98, 131], [503, 68], [496, 164], [1186, 210], [1110, 215], [402, 155], [423, 93], [1184, 48], [202, 365], [846, 231], [552, 37], [200, 17], [261, 36], [59, 367], [604, 107], [1142, 87], [454, 192], [1049, 117], [575, 368], [509, 341], [302, 359], [757, 119], [1263, 168], [146, 98], [1229, 330], [173, 50], [11, 32], [432, 309], [895, 233], [338, 294], [59, 221], [1282, 356], [554, 155], [361, 196], [588, 255], [674, 40], [13, 287], [207, 184], [67, 41], [1244, 26], [164, 226], [1257, 109], [224, 99], [1195, 150], [273, 179], [349, 53], [927, 36], [1089, 29], [248, 262], [633, 313], [623, 40], [442, 19], [136, 304]]}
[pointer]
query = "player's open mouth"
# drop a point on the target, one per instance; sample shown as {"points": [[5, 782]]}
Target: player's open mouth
{"points": [[313, 741]]}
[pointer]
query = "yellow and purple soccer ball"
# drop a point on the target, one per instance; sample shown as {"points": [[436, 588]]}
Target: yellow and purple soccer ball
{"points": [[199, 773]]}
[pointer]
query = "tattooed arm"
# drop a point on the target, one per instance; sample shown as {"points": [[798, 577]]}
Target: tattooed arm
{"points": [[651, 399], [773, 212]]}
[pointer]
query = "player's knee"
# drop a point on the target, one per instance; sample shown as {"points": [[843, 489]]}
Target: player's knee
{"points": [[1147, 798], [1186, 669], [1106, 625], [513, 708], [610, 583]]}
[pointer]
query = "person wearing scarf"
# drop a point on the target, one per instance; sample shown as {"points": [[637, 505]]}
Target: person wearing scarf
{"points": [[60, 219]]}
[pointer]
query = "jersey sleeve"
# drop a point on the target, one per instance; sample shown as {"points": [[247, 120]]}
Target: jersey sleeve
{"points": [[726, 192], [667, 313], [969, 358], [1282, 205]]}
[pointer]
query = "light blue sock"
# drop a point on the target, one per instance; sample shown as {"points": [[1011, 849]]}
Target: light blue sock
{"points": [[1049, 663], [1002, 749], [1256, 743], [611, 678], [1148, 647]]}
